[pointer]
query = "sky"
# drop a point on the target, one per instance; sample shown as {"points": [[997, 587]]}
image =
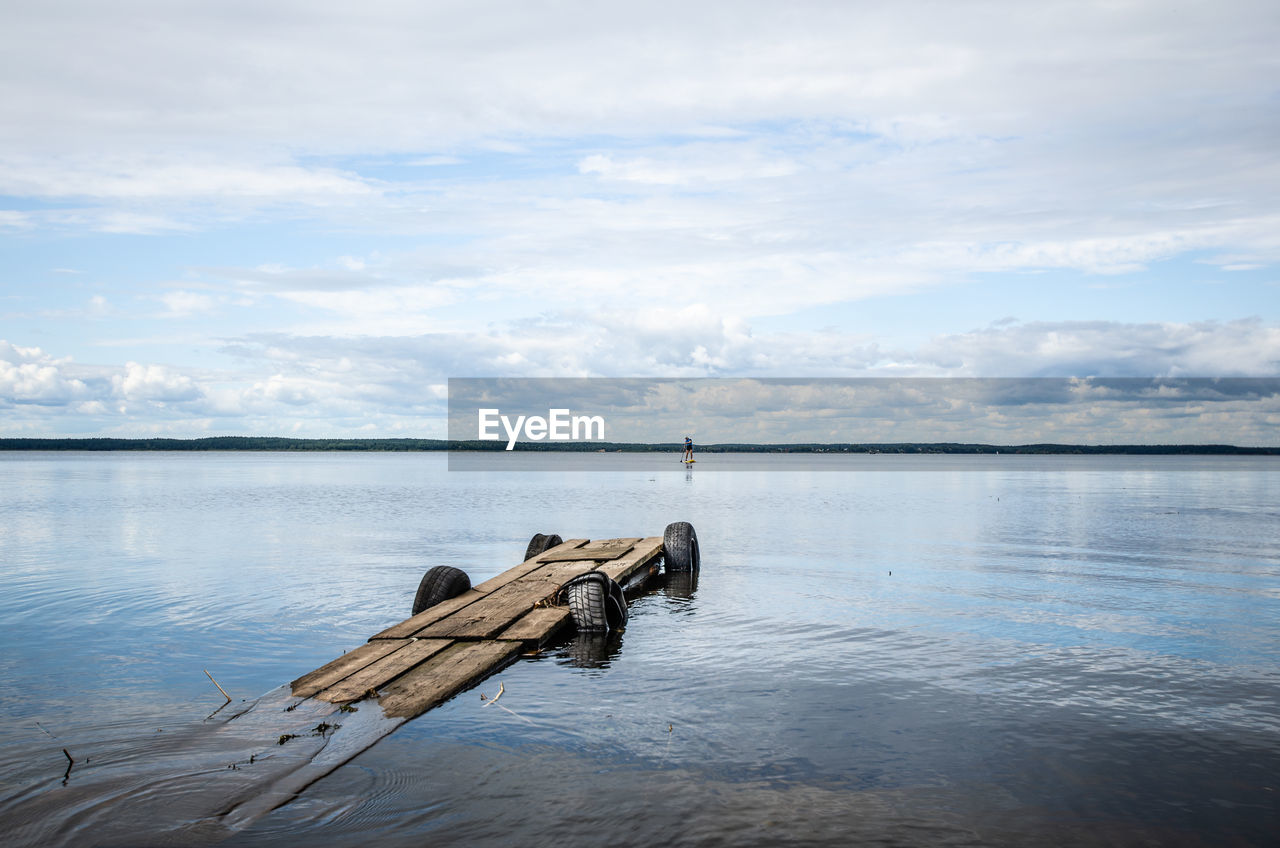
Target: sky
{"points": [[302, 218], [868, 410]]}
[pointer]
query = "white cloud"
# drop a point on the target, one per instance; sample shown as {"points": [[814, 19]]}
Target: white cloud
{"points": [[144, 178], [154, 383], [410, 75], [278, 389], [185, 304], [11, 219], [121, 222], [694, 342], [345, 383], [29, 375], [406, 191], [708, 165], [889, 146], [1245, 348]]}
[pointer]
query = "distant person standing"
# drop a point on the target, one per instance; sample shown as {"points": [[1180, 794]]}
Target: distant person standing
{"points": [[688, 450]]}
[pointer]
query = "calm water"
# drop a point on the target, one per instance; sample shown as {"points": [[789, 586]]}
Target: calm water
{"points": [[915, 650]]}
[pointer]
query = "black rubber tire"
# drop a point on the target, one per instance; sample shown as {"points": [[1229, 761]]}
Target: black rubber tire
{"points": [[596, 603], [540, 543], [680, 548], [440, 584]]}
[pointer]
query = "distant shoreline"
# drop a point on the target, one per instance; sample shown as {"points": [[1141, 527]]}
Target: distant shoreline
{"points": [[271, 443]]}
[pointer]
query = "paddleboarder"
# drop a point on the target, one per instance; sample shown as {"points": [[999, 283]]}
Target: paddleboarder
{"points": [[688, 450]]}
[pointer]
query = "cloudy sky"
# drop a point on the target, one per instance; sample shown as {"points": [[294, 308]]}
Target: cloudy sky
{"points": [[301, 218]]}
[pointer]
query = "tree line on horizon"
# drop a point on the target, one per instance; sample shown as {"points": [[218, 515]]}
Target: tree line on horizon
{"points": [[276, 443]]}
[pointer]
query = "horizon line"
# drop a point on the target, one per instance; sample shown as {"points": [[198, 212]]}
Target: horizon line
{"points": [[410, 443]]}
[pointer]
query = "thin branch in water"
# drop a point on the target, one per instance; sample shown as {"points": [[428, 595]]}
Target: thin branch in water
{"points": [[494, 699], [45, 729], [514, 713], [220, 689], [70, 762]]}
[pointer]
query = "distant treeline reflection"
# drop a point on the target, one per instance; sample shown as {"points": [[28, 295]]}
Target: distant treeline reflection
{"points": [[271, 443]]}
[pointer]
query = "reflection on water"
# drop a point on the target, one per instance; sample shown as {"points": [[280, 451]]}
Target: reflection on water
{"points": [[1061, 650], [680, 585], [591, 650]]}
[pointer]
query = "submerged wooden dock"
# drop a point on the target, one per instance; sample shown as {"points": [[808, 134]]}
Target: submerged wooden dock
{"points": [[209, 779], [432, 656]]}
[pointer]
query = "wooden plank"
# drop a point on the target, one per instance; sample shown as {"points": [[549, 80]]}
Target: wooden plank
{"points": [[486, 619], [560, 573], [566, 545], [445, 675], [536, 627], [409, 626], [609, 549], [644, 552], [347, 664], [527, 566], [380, 673], [624, 542]]}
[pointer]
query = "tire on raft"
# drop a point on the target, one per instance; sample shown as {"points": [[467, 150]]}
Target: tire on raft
{"points": [[680, 549], [440, 584], [541, 543], [596, 603]]}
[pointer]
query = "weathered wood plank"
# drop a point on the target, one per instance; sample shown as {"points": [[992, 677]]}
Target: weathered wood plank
{"points": [[445, 675], [409, 626], [380, 673], [529, 565], [567, 545], [608, 549], [560, 573], [345, 665], [537, 627], [486, 619], [641, 555]]}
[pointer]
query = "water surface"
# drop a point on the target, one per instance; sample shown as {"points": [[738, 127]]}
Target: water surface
{"points": [[911, 650]]}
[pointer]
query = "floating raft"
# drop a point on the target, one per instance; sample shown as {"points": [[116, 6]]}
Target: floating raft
{"points": [[206, 781], [432, 656]]}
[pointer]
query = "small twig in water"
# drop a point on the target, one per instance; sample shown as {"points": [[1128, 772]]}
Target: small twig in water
{"points": [[516, 714], [70, 762], [220, 689], [45, 729], [494, 699], [666, 750]]}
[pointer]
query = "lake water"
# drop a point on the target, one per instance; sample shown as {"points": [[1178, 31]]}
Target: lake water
{"points": [[912, 650]]}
